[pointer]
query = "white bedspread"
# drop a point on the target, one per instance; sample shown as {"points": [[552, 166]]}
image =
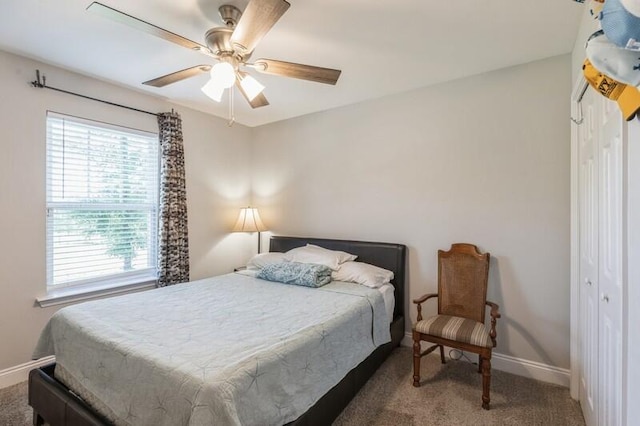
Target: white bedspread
{"points": [[228, 350]]}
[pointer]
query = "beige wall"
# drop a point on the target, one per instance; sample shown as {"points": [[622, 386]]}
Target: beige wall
{"points": [[217, 167], [588, 26], [483, 160]]}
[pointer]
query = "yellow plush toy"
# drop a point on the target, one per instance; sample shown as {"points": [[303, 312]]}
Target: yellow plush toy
{"points": [[627, 97], [595, 8]]}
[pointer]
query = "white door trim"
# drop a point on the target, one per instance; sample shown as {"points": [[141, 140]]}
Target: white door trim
{"points": [[631, 316], [574, 352]]}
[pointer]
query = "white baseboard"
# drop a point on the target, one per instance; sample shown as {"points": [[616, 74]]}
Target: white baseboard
{"points": [[521, 367], [19, 373]]}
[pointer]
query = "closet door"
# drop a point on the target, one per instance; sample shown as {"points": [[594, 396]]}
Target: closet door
{"points": [[588, 258], [610, 277]]}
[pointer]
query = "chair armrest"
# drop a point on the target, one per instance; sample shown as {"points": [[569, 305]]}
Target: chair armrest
{"points": [[495, 314], [424, 297], [494, 309], [421, 299]]}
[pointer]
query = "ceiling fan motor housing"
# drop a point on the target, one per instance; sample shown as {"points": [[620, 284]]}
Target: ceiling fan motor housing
{"points": [[219, 40]]}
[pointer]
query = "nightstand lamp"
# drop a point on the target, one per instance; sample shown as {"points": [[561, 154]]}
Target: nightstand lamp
{"points": [[249, 221]]}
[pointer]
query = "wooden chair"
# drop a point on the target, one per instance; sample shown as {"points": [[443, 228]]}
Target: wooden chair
{"points": [[463, 273]]}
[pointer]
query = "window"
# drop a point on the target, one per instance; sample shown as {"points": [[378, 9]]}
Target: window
{"points": [[102, 203]]}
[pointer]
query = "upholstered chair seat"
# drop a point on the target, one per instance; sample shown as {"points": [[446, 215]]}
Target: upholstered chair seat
{"points": [[463, 330]]}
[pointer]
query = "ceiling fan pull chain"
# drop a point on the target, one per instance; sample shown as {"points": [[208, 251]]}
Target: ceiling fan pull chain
{"points": [[232, 118]]}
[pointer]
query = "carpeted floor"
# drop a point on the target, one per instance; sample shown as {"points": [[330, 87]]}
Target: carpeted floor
{"points": [[450, 395], [14, 410]]}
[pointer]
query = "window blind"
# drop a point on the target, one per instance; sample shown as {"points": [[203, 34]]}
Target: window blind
{"points": [[102, 202]]}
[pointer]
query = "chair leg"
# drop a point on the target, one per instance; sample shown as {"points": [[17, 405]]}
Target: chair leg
{"points": [[486, 382], [416, 363], [479, 363], [442, 354]]}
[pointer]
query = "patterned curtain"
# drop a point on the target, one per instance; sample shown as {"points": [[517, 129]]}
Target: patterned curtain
{"points": [[173, 240]]}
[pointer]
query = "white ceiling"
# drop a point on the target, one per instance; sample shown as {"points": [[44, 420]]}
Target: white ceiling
{"points": [[381, 46]]}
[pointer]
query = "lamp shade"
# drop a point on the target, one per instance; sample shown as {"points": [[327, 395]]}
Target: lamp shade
{"points": [[224, 74], [251, 86], [213, 90], [249, 221]]}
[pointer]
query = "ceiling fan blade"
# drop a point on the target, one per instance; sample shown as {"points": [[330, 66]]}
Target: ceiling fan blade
{"points": [[139, 24], [304, 72], [178, 75], [259, 101], [256, 21]]}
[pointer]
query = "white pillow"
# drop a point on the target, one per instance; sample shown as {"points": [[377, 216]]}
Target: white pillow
{"points": [[319, 256], [248, 272], [261, 260], [343, 256], [362, 273]]}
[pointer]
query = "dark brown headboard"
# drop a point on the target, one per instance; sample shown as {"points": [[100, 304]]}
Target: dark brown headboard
{"points": [[385, 255]]}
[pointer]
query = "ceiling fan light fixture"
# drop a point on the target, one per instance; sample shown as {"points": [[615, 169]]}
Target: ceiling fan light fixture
{"points": [[223, 74], [251, 87], [213, 89]]}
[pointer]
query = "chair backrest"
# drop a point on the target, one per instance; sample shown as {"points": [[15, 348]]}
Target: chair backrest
{"points": [[463, 273]]}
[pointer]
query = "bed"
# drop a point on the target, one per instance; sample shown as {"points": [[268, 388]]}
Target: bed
{"points": [[57, 404]]}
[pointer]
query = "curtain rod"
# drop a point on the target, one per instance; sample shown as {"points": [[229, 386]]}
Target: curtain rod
{"points": [[42, 84]]}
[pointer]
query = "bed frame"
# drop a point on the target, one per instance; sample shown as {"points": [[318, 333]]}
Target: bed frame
{"points": [[57, 405]]}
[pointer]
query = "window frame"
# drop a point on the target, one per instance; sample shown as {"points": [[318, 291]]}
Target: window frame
{"points": [[105, 284]]}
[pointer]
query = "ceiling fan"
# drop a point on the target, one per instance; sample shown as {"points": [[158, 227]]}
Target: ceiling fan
{"points": [[232, 45]]}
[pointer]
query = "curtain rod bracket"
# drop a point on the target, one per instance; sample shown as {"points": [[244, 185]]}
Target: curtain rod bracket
{"points": [[37, 82]]}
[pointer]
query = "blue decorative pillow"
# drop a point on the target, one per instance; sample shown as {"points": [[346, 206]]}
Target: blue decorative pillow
{"points": [[304, 274]]}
